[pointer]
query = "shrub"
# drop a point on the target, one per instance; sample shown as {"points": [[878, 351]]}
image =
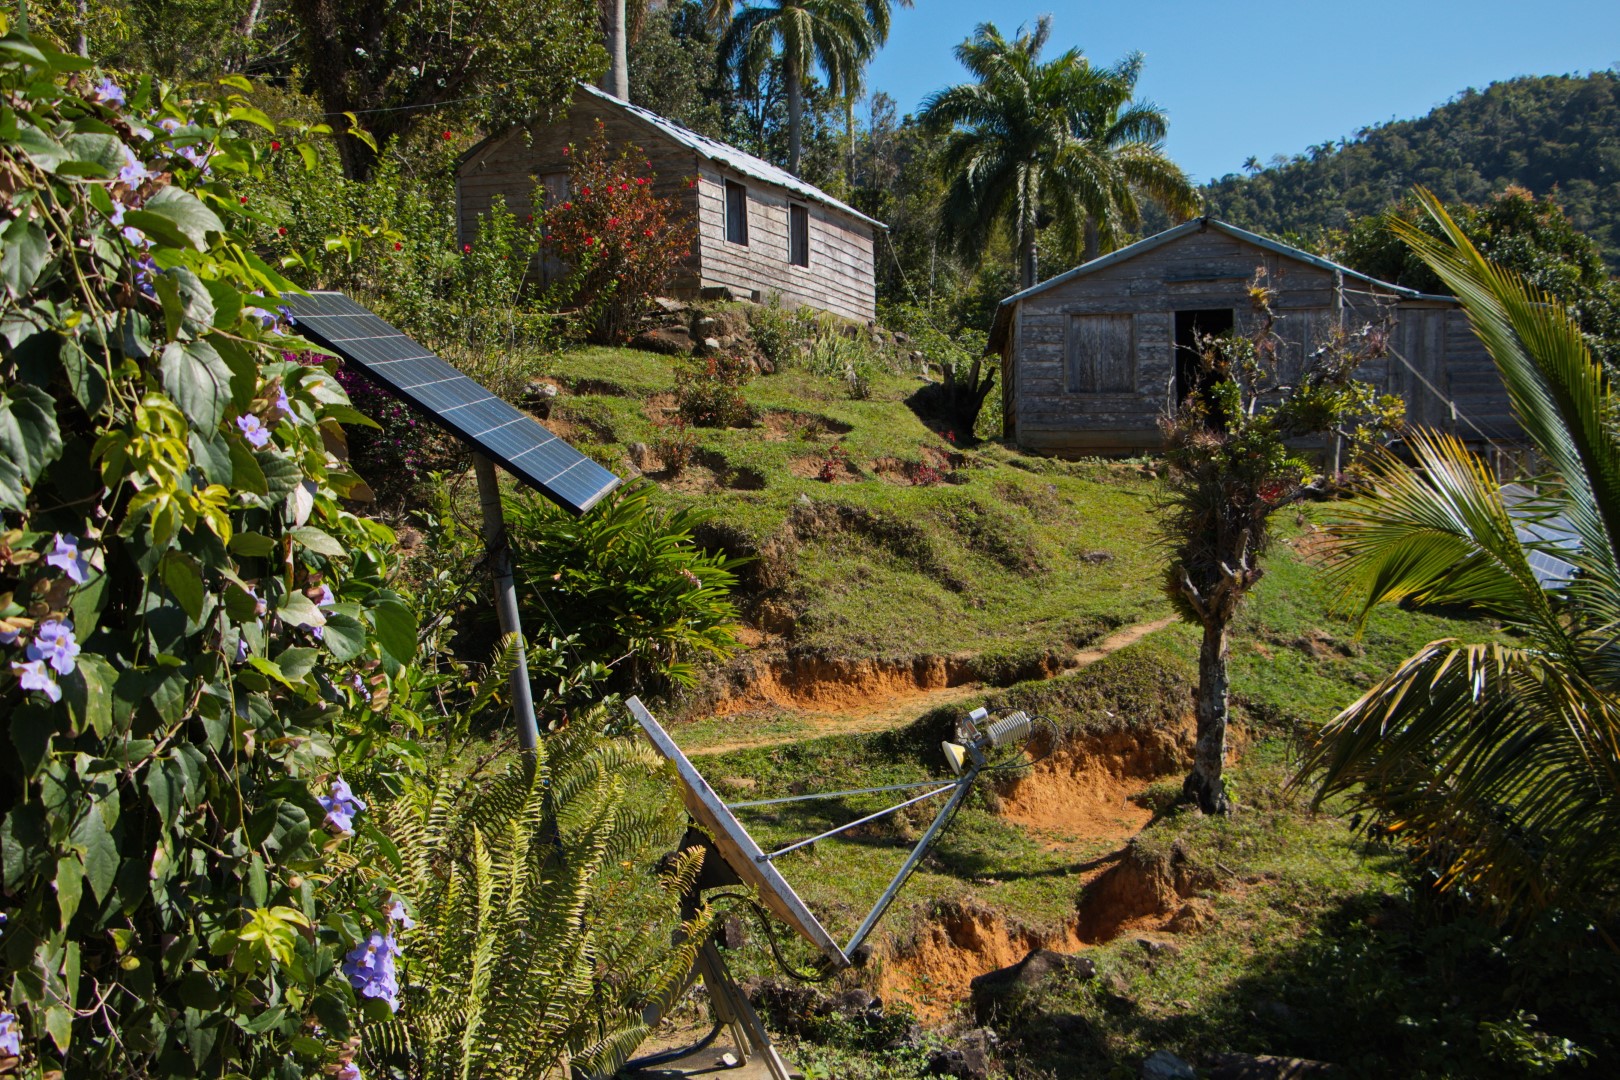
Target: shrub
{"points": [[782, 336], [627, 579], [188, 616], [625, 241], [675, 446], [708, 392]]}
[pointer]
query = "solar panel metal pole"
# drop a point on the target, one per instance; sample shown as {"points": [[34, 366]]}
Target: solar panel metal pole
{"points": [[506, 608]]}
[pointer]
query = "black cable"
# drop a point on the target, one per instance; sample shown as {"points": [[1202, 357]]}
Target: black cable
{"points": [[662, 1056], [764, 918]]}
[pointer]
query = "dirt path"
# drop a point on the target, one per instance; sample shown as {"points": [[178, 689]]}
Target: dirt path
{"points": [[899, 706]]}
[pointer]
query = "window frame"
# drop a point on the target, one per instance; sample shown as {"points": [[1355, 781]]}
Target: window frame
{"points": [[798, 245], [736, 222]]}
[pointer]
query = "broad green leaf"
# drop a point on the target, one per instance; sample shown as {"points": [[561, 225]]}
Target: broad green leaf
{"points": [[318, 541], [183, 576], [45, 151], [344, 636], [395, 624], [243, 364], [84, 376], [104, 154], [88, 693], [26, 249], [100, 853], [59, 1025], [281, 473], [188, 307], [266, 667], [176, 217], [29, 440], [246, 475], [296, 609], [251, 544], [297, 662], [69, 887], [198, 381]]}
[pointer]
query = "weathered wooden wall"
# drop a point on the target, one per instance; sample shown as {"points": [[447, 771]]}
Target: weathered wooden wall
{"points": [[1069, 392], [840, 277]]}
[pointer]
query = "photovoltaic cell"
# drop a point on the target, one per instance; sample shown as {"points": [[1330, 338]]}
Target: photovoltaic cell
{"points": [[411, 372]]}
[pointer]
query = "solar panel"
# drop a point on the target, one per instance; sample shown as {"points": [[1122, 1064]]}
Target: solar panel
{"points": [[739, 850], [411, 372], [1540, 530]]}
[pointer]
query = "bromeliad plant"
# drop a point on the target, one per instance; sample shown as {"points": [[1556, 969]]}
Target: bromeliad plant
{"points": [[186, 609]]}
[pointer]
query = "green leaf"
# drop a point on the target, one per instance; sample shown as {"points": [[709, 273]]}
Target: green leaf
{"points": [[395, 624], [103, 154], [344, 636], [88, 693], [198, 381], [253, 545], [69, 887], [250, 115], [227, 304], [26, 249], [45, 151], [100, 853], [29, 440], [296, 609], [188, 307], [266, 667], [183, 576], [59, 1025], [297, 662], [176, 217], [245, 472], [318, 541], [281, 472], [84, 376], [243, 364]]}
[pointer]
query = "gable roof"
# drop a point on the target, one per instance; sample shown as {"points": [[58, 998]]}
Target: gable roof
{"points": [[1143, 246], [716, 151]]}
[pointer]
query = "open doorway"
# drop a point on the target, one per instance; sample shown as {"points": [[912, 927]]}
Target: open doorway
{"points": [[1190, 327]]}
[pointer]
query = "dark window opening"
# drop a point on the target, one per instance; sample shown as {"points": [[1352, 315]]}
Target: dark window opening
{"points": [[798, 236], [1191, 326], [736, 212]]}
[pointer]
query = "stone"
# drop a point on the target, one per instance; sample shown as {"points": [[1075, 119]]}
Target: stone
{"points": [[1000, 992], [733, 933], [1157, 949], [711, 345], [668, 340], [1163, 1065], [1268, 1067], [968, 1064], [901, 339], [669, 306], [705, 326]]}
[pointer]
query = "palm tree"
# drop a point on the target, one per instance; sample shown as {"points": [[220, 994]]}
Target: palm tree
{"points": [[838, 36], [1060, 140], [1500, 761]]}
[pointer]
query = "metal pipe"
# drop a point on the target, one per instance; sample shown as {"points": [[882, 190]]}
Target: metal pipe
{"points": [[912, 860], [830, 795], [851, 824], [506, 607]]}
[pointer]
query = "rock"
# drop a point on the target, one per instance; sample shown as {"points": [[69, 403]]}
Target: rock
{"points": [[711, 345], [705, 326], [910, 1039], [669, 306], [737, 783], [902, 339], [733, 933], [668, 340], [1163, 1065], [1097, 557], [1267, 1067], [1158, 948], [858, 1004], [1001, 992], [961, 1064]]}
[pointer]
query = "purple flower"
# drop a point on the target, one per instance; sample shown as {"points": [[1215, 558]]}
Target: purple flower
{"points": [[371, 970], [35, 677], [241, 649], [10, 1038], [256, 433], [8, 637], [197, 157], [145, 270], [359, 685], [169, 124], [66, 558], [53, 642], [340, 807], [259, 605], [325, 599], [283, 406], [109, 91], [397, 913], [134, 173], [347, 1071]]}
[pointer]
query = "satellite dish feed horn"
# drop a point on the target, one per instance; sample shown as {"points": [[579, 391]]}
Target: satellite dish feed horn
{"points": [[754, 867]]}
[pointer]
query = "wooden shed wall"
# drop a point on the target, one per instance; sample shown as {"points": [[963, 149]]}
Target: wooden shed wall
{"points": [[840, 276], [508, 166], [1061, 403]]}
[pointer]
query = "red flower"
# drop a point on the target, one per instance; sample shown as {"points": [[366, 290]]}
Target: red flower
{"points": [[466, 249], [281, 230], [275, 144], [641, 181], [589, 240], [565, 150], [448, 136], [398, 245], [568, 206], [613, 221], [692, 182], [646, 232], [242, 199], [584, 191]]}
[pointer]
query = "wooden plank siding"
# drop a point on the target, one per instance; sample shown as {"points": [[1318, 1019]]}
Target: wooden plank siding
{"points": [[1070, 390], [839, 278]]}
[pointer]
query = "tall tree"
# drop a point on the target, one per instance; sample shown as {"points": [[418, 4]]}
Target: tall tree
{"points": [[837, 36], [1059, 141], [498, 62], [1500, 762]]}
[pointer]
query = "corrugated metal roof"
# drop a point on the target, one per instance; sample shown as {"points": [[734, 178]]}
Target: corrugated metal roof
{"points": [[729, 156], [1141, 247]]}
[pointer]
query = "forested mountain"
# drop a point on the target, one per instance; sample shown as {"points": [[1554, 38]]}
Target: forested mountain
{"points": [[1548, 134]]}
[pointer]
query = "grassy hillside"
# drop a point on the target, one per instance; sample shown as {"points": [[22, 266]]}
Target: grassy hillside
{"points": [[1548, 134]]}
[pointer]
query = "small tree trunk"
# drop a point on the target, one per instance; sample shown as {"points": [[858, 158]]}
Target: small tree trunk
{"points": [[616, 80], [1093, 240], [1204, 783], [849, 136], [795, 94], [1026, 255]]}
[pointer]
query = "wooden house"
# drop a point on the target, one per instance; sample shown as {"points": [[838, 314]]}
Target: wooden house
{"points": [[1092, 358], [761, 230]]}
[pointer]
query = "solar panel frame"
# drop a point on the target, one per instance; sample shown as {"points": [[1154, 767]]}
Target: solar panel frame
{"points": [[413, 373]]}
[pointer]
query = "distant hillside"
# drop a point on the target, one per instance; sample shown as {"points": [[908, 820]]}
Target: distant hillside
{"points": [[1544, 133]]}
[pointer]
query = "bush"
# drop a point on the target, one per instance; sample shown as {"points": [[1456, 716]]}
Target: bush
{"points": [[782, 336], [628, 581], [625, 241], [708, 392], [675, 446], [191, 623]]}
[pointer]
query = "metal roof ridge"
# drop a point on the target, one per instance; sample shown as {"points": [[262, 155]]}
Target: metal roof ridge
{"points": [[726, 154]]}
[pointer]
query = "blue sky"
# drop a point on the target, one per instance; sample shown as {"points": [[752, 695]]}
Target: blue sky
{"points": [[1266, 78]]}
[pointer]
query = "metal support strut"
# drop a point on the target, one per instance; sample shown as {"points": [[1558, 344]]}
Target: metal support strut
{"points": [[506, 608]]}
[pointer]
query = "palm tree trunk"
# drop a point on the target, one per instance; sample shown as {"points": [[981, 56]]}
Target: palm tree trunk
{"points": [[616, 80], [1093, 241], [795, 93], [1204, 783], [1026, 241]]}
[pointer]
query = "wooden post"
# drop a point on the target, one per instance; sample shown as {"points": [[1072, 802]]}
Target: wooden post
{"points": [[506, 609]]}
